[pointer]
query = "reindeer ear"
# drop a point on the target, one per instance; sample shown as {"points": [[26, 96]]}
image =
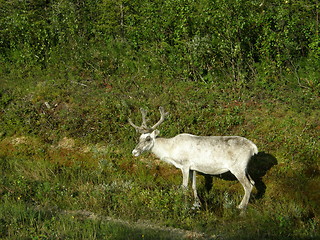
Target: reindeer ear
{"points": [[155, 133]]}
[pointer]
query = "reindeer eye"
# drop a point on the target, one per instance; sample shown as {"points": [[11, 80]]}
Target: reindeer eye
{"points": [[148, 139]]}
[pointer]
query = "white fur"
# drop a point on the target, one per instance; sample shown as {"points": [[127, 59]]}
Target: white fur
{"points": [[206, 154]]}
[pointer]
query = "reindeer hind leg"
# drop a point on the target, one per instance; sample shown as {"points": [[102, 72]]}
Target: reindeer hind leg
{"points": [[247, 186]]}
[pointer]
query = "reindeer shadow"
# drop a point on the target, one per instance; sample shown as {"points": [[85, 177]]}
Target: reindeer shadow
{"points": [[258, 167]]}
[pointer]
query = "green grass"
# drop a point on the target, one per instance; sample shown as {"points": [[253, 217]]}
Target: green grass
{"points": [[20, 221], [79, 69], [65, 146], [75, 156]]}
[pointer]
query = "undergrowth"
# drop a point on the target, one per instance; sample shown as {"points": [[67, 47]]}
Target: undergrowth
{"points": [[68, 148], [71, 74]]}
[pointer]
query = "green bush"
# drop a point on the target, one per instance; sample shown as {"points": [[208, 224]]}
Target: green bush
{"points": [[72, 72]]}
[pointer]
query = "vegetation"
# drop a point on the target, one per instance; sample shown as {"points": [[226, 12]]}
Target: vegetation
{"points": [[72, 72]]}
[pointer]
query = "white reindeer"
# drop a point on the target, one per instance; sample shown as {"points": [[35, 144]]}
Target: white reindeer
{"points": [[207, 154]]}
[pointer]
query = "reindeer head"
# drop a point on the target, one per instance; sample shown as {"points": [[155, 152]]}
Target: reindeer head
{"points": [[148, 134]]}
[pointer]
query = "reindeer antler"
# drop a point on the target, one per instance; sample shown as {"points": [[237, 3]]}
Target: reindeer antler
{"points": [[162, 118], [144, 128]]}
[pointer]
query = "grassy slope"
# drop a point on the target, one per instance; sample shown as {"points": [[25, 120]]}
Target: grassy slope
{"points": [[75, 155]]}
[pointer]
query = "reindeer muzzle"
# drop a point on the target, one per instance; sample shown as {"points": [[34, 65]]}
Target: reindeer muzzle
{"points": [[136, 152]]}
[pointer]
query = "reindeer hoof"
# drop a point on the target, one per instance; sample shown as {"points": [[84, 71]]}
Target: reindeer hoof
{"points": [[243, 210], [242, 206], [196, 206]]}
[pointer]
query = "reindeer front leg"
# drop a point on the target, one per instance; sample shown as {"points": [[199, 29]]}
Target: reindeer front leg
{"points": [[185, 177], [186, 172], [184, 186], [197, 203]]}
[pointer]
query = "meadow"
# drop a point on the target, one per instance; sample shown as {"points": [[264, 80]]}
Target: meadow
{"points": [[79, 160], [73, 77]]}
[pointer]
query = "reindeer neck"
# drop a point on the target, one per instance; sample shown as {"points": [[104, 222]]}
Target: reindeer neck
{"points": [[162, 147]]}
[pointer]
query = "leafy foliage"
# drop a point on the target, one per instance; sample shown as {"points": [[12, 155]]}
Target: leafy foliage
{"points": [[72, 72], [195, 39]]}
